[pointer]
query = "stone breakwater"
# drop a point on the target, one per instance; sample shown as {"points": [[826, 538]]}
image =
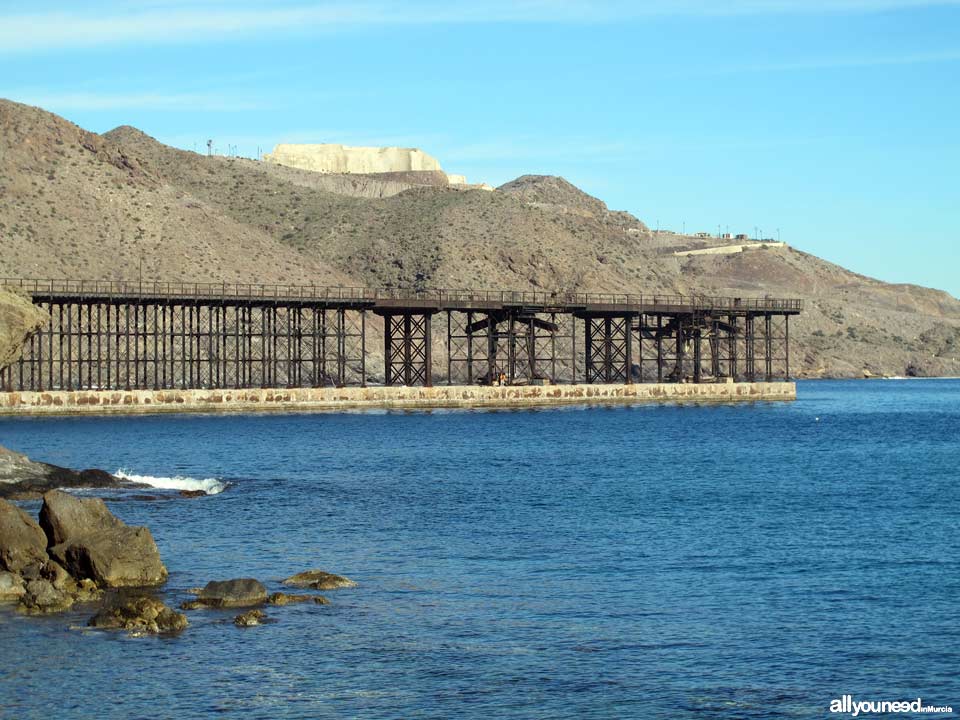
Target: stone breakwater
{"points": [[400, 398]]}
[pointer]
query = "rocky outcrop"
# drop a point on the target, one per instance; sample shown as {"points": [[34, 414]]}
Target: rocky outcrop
{"points": [[22, 541], [241, 592], [23, 479], [319, 580], [139, 614], [19, 319], [93, 544]]}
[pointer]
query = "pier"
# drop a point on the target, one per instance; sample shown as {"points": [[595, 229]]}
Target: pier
{"points": [[125, 336]]}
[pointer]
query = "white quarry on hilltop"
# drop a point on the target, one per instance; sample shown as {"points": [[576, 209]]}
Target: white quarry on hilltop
{"points": [[333, 158]]}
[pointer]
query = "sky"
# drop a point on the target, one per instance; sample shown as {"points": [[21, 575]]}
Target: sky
{"points": [[831, 124]]}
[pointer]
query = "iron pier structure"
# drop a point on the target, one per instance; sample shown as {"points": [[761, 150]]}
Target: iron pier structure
{"points": [[157, 335]]}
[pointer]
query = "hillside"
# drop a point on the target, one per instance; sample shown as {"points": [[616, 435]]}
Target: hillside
{"points": [[77, 204]]}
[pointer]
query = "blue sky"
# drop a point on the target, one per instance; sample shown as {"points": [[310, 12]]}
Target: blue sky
{"points": [[835, 121]]}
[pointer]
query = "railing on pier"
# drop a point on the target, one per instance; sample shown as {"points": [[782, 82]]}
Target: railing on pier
{"points": [[441, 298]]}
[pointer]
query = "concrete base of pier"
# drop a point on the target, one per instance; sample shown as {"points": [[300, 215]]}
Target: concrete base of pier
{"points": [[102, 402]]}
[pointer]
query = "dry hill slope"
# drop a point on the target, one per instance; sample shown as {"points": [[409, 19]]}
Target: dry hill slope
{"points": [[75, 204]]}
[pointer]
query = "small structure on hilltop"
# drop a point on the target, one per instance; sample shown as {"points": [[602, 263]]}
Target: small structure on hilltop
{"points": [[344, 159]]}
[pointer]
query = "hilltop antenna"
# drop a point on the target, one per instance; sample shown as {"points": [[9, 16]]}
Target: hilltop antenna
{"points": [[209, 148]]}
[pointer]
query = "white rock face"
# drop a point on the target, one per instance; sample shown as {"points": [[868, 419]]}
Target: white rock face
{"points": [[331, 158]]}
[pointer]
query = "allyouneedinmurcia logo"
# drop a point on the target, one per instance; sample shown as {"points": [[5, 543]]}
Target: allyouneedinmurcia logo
{"points": [[847, 704]]}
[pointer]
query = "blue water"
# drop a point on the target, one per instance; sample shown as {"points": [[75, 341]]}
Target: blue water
{"points": [[742, 561]]}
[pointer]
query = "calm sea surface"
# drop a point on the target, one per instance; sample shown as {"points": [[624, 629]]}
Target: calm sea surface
{"points": [[750, 561]]}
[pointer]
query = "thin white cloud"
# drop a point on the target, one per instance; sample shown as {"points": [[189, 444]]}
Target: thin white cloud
{"points": [[174, 21], [835, 63]]}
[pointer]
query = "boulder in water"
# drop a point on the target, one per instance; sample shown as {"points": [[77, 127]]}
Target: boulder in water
{"points": [[319, 580], [65, 516], [122, 557], [282, 598], [90, 542], [250, 618], [22, 541], [139, 614], [241, 592]]}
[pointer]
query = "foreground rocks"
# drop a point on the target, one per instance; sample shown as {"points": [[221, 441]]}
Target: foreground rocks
{"points": [[243, 592], [79, 552], [22, 541], [78, 549], [319, 580], [139, 614], [23, 479], [90, 542]]}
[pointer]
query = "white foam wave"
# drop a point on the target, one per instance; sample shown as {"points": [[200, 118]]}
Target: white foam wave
{"points": [[211, 486]]}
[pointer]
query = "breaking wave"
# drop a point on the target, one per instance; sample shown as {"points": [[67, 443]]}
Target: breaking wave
{"points": [[211, 486]]}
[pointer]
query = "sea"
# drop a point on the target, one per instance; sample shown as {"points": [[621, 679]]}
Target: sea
{"points": [[756, 560]]}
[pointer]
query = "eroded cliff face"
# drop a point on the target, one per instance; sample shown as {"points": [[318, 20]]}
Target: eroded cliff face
{"points": [[19, 319], [331, 158]]}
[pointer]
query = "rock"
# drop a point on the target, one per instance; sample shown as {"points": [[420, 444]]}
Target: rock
{"points": [[22, 478], [58, 576], [191, 605], [281, 598], [319, 580], [122, 557], [11, 586], [192, 493], [65, 516], [139, 614], [41, 597], [90, 542], [22, 541], [233, 593], [250, 618]]}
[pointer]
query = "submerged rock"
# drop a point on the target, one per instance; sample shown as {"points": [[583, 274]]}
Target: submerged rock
{"points": [[281, 598], [22, 541], [90, 542], [250, 618], [241, 592], [139, 613], [319, 580]]}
